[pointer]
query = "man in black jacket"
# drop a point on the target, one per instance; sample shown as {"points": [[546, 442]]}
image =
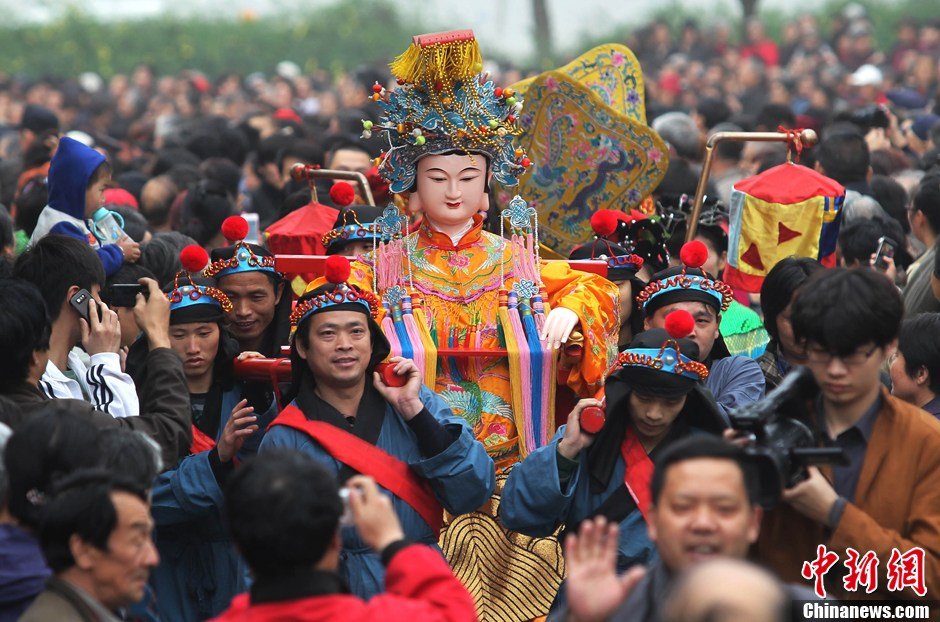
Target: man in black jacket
{"points": [[164, 397]]}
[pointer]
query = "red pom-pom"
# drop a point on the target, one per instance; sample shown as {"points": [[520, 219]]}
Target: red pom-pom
{"points": [[342, 194], [604, 222], [694, 254], [679, 324], [337, 269], [194, 258], [235, 228]]}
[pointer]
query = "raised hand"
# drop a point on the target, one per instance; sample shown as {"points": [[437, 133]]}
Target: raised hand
{"points": [[238, 428], [594, 589]]}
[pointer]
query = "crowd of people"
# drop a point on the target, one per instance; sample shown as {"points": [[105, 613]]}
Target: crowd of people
{"points": [[145, 477]]}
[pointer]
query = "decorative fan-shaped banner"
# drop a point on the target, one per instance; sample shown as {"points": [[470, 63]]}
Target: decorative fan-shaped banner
{"points": [[585, 156], [612, 72]]}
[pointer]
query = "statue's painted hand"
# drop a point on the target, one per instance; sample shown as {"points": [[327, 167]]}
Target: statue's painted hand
{"points": [[558, 326]]}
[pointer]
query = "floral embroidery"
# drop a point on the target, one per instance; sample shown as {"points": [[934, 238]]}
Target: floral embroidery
{"points": [[458, 261]]}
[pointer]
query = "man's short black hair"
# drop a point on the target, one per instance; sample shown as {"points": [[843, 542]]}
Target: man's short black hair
{"points": [[713, 111], [305, 151], [771, 116], [700, 446], [56, 263], [24, 328], [52, 443], [223, 171], [859, 239], [844, 157], [779, 286], [339, 142], [81, 505], [206, 206], [130, 454], [161, 255], [32, 199], [927, 201], [919, 342], [892, 197], [842, 309], [171, 157], [283, 510]]}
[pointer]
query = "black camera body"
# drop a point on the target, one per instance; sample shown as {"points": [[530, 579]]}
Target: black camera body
{"points": [[867, 117], [785, 443]]}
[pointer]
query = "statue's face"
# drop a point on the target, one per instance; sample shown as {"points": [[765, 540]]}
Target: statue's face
{"points": [[450, 188]]}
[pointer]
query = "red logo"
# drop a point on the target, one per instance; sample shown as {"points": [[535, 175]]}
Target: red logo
{"points": [[907, 570], [863, 571], [818, 568], [904, 570]]}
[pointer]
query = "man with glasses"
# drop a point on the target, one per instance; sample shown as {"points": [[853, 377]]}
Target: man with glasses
{"points": [[887, 496]]}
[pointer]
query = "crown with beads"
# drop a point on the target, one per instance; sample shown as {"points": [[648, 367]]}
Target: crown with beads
{"points": [[354, 231], [336, 271], [668, 358], [189, 294], [445, 104], [674, 284], [244, 258]]}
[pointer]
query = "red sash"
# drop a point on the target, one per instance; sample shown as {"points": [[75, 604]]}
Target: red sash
{"points": [[638, 470], [201, 441], [390, 472]]}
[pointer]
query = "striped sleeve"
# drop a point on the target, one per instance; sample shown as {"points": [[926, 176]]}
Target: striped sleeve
{"points": [[110, 389]]}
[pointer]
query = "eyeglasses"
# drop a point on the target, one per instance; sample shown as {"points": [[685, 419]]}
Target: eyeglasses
{"points": [[853, 359]]}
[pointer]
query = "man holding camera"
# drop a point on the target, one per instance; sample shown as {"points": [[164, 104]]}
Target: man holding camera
{"points": [[284, 510], [886, 499]]}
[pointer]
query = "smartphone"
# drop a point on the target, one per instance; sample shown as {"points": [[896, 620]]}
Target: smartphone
{"points": [[124, 294], [80, 301], [347, 518], [886, 248]]}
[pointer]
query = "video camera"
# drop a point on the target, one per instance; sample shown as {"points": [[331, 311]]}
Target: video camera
{"points": [[784, 442], [867, 117]]}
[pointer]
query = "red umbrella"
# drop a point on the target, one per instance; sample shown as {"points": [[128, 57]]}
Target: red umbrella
{"points": [[301, 233]]}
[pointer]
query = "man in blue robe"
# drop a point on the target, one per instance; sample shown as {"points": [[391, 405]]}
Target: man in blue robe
{"points": [[350, 417], [654, 395]]}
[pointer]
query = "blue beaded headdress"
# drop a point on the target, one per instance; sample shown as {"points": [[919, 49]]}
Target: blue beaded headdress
{"points": [[336, 292], [189, 295], [241, 257], [443, 105], [646, 351]]}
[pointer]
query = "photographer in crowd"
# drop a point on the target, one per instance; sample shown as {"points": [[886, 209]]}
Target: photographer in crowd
{"points": [[887, 495], [284, 512]]}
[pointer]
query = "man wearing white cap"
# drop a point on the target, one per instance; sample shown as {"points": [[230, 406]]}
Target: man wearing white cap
{"points": [[867, 83]]}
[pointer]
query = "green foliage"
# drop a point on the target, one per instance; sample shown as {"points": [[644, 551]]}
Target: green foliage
{"points": [[337, 37], [885, 16]]}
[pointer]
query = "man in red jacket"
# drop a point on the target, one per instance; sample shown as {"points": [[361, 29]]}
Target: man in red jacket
{"points": [[284, 512]]}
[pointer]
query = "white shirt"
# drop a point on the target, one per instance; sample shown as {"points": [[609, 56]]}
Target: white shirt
{"points": [[101, 383]]}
